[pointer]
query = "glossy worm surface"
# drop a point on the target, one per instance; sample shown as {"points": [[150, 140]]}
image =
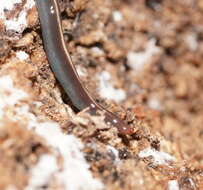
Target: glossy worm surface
{"points": [[63, 68]]}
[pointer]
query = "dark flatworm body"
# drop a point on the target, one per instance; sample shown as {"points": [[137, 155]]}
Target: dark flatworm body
{"points": [[63, 67]]}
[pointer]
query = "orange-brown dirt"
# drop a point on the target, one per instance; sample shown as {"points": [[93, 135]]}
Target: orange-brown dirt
{"points": [[153, 52]]}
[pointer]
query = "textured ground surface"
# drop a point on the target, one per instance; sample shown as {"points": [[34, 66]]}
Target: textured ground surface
{"points": [[141, 59]]}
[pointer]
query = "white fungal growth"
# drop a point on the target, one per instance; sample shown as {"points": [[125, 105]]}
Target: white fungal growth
{"points": [[18, 23], [75, 174], [42, 172], [159, 158], [137, 60], [117, 16], [173, 185], [106, 89], [21, 55], [9, 95]]}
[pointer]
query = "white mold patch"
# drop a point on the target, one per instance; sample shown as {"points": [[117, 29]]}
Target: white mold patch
{"points": [[18, 23], [42, 172], [106, 89], [117, 16], [137, 60], [75, 174], [154, 103], [21, 55], [173, 185], [159, 158], [191, 41], [9, 95]]}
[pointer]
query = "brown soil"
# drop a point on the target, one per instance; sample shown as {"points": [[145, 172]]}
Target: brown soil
{"points": [[164, 97]]}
